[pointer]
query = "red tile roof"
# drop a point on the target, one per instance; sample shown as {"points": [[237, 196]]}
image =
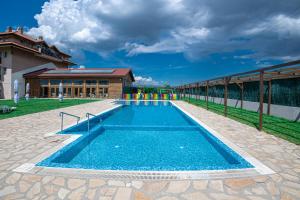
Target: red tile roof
{"points": [[67, 73], [27, 37]]}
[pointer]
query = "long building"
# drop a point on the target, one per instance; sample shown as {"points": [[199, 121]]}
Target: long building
{"points": [[32, 60]]}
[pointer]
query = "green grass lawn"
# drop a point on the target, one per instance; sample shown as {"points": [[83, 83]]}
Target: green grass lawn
{"points": [[283, 128], [38, 105]]}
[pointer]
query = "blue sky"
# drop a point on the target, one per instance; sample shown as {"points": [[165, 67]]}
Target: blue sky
{"points": [[182, 42]]}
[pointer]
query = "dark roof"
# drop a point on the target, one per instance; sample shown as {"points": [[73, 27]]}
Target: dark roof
{"points": [[83, 73]]}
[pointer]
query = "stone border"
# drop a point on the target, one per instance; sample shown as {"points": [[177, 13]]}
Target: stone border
{"points": [[259, 169]]}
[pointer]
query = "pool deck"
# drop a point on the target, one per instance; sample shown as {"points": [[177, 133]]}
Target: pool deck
{"points": [[26, 139]]}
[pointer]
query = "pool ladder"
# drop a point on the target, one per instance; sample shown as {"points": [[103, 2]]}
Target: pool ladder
{"points": [[88, 119], [62, 114]]}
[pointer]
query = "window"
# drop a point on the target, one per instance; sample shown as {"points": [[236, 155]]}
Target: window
{"points": [[55, 82], [78, 82], [44, 82], [67, 82], [91, 82], [5, 54], [103, 82]]}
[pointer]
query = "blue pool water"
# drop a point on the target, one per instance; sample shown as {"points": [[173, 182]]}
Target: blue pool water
{"points": [[148, 136]]}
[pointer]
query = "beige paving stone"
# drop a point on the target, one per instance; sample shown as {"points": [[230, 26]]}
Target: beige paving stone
{"points": [[123, 193], [59, 181], [195, 195], [256, 198], [290, 177], [7, 190], [221, 196], [272, 188], [285, 196], [178, 186], [62, 193], [200, 185], [77, 194], [91, 193], [140, 196], [167, 198], [51, 189], [259, 190], [137, 184], [12, 179], [116, 183], [108, 191], [261, 179], [154, 187], [34, 190], [24, 186], [291, 191], [291, 184], [31, 178], [47, 179], [239, 183], [216, 185], [75, 183], [96, 182]]}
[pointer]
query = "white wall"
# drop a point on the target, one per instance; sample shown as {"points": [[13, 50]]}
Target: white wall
{"points": [[19, 76]]}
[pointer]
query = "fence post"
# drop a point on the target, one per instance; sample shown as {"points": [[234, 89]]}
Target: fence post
{"points": [[261, 99], [242, 95], [225, 95], [207, 95], [269, 97]]}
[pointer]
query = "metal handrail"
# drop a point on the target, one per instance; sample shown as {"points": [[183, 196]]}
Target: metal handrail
{"points": [[61, 114], [88, 116]]}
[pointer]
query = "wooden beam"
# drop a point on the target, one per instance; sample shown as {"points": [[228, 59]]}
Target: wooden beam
{"points": [[261, 100], [49, 89], [269, 97]]}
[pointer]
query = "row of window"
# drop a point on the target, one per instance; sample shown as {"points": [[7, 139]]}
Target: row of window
{"points": [[91, 92], [75, 82]]}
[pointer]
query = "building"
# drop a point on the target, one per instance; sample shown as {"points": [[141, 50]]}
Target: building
{"points": [[27, 59], [80, 83]]}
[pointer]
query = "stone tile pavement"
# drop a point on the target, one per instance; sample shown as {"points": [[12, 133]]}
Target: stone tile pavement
{"points": [[22, 139]]}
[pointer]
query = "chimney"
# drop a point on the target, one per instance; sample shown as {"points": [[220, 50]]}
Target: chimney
{"points": [[40, 37], [20, 30], [9, 29]]}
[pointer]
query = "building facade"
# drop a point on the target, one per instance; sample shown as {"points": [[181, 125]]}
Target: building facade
{"points": [[79, 83], [32, 60]]}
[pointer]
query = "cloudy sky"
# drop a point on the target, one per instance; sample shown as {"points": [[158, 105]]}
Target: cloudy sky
{"points": [[165, 41]]}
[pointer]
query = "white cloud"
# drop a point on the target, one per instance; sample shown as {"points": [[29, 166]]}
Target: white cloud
{"points": [[145, 81], [284, 25], [195, 28]]}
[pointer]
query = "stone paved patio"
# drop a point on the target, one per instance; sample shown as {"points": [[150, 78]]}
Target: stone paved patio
{"points": [[22, 139]]}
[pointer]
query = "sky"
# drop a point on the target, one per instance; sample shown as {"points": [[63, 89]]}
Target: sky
{"points": [[164, 41]]}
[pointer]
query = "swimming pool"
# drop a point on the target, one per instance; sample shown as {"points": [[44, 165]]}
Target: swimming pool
{"points": [[145, 136]]}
